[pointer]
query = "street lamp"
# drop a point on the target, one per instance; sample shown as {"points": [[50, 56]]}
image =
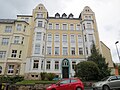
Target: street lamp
{"points": [[117, 49]]}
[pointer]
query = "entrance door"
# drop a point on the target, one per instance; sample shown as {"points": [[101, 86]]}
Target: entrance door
{"points": [[65, 71], [65, 68]]}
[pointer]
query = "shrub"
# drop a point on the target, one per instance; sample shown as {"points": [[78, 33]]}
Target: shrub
{"points": [[50, 76], [43, 75]]}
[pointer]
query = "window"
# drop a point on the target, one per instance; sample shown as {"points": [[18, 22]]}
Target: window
{"points": [[64, 26], [72, 50], [37, 49], [80, 51], [73, 65], [71, 26], [49, 50], [87, 50], [78, 27], [89, 25], [57, 26], [8, 29], [16, 39], [73, 80], [56, 65], [65, 63], [2, 54], [50, 25], [48, 65], [49, 37], [20, 53], [65, 51], [0, 69], [19, 27], [39, 15], [65, 82], [43, 48], [24, 28], [85, 38], [14, 53], [38, 36], [40, 23], [56, 38], [79, 39], [35, 64], [64, 38], [91, 37], [5, 41], [84, 27], [10, 68], [72, 38], [22, 40], [42, 65], [56, 50]]}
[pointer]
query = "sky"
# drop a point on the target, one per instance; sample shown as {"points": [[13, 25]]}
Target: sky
{"points": [[107, 14]]}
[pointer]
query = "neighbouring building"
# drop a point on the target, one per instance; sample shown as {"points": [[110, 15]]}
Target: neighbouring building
{"points": [[37, 43]]}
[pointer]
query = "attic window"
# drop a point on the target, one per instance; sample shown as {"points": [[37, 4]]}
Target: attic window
{"points": [[70, 16], [57, 15], [64, 15]]}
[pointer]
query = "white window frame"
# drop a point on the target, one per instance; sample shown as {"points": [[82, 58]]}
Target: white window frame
{"points": [[19, 27], [71, 26], [80, 39], [2, 54], [48, 65], [8, 29], [38, 36], [11, 69], [78, 27], [50, 26], [49, 37], [57, 38], [57, 52], [73, 49], [80, 52], [64, 26], [5, 41], [57, 26], [49, 50], [65, 50], [14, 53], [72, 38], [16, 39], [56, 65], [40, 23], [37, 49], [35, 64], [64, 38]]}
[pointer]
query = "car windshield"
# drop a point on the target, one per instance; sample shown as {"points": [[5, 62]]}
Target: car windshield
{"points": [[104, 79]]}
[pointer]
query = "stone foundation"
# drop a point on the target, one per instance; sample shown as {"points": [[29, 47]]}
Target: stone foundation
{"points": [[32, 76]]}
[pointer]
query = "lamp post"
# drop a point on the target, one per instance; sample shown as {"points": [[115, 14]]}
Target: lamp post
{"points": [[117, 49]]}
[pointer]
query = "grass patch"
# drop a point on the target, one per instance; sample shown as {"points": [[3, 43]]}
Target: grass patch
{"points": [[36, 82]]}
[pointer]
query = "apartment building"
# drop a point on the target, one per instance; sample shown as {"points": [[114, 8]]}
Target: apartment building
{"points": [[37, 43]]}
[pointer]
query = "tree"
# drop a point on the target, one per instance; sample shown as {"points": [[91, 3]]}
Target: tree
{"points": [[100, 61], [87, 70]]}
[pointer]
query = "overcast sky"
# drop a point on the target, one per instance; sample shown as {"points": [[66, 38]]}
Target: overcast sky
{"points": [[107, 15]]}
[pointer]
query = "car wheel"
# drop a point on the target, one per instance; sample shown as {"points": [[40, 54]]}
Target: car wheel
{"points": [[106, 88], [78, 88], [53, 89]]}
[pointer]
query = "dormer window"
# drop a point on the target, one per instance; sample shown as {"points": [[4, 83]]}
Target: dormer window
{"points": [[64, 15], [57, 15], [71, 15]]}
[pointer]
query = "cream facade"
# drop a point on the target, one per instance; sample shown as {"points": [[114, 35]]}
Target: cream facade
{"points": [[50, 44]]}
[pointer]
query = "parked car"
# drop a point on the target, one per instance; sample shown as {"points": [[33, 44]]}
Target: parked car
{"points": [[107, 83], [67, 84]]}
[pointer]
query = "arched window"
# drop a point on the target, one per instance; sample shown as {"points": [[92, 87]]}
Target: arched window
{"points": [[65, 63], [0, 69]]}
